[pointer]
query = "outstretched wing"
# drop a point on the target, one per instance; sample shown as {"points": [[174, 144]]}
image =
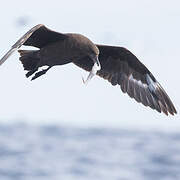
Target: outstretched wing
{"points": [[120, 67], [42, 36], [39, 36]]}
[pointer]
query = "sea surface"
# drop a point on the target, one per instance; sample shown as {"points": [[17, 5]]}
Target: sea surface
{"points": [[54, 152]]}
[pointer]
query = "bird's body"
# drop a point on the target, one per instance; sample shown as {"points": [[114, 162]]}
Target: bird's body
{"points": [[116, 64], [70, 48], [65, 51]]}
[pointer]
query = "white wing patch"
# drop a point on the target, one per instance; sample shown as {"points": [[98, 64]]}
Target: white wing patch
{"points": [[139, 82], [141, 92], [152, 85]]}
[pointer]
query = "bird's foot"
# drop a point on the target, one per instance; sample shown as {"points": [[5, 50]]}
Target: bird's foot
{"points": [[40, 73]]}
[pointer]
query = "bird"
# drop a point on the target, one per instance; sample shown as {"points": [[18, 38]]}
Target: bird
{"points": [[115, 64]]}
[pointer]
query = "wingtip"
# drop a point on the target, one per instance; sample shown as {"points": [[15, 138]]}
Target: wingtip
{"points": [[165, 103], [170, 113], [38, 25]]}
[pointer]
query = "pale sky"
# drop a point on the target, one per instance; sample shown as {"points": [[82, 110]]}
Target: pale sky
{"points": [[149, 29]]}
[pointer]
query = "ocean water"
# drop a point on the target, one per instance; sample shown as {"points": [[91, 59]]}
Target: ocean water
{"points": [[50, 152]]}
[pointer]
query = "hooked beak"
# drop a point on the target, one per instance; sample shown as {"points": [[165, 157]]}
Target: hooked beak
{"points": [[96, 60], [96, 67]]}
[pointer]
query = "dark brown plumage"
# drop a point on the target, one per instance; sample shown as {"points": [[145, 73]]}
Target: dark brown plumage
{"points": [[116, 64]]}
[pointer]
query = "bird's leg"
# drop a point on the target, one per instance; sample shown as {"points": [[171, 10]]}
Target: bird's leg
{"points": [[40, 73], [31, 72], [96, 67]]}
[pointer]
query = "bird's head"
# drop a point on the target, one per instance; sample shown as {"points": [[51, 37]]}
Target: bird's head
{"points": [[85, 47], [93, 53]]}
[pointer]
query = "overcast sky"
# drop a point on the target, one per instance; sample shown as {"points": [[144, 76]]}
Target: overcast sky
{"points": [[149, 29]]}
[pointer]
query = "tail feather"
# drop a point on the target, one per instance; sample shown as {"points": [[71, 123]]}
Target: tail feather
{"points": [[30, 59], [31, 62]]}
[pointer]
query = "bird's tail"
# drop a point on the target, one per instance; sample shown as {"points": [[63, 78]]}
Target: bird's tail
{"points": [[30, 59]]}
